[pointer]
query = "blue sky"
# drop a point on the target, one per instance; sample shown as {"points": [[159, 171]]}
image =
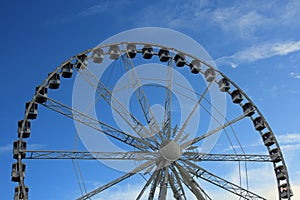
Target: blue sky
{"points": [[256, 44]]}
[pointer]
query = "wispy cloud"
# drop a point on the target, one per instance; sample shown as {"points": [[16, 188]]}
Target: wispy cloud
{"points": [[259, 52], [289, 142], [96, 9], [5, 148], [295, 75]]}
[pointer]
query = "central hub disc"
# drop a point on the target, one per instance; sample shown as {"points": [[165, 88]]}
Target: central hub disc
{"points": [[170, 151]]}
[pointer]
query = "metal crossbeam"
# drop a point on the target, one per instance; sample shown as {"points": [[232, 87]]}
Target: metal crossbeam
{"points": [[220, 182], [193, 156], [95, 124], [140, 93], [85, 155], [190, 183], [181, 131], [197, 139], [176, 186], [164, 184], [154, 185], [118, 107], [152, 177], [168, 101], [118, 180]]}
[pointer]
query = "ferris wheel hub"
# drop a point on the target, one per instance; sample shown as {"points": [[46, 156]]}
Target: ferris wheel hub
{"points": [[170, 151]]}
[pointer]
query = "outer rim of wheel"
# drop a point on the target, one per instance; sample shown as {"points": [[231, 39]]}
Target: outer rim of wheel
{"points": [[57, 70]]}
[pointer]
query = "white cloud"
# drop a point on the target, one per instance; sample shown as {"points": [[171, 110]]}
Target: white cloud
{"points": [[289, 142], [289, 138], [259, 52], [295, 75]]}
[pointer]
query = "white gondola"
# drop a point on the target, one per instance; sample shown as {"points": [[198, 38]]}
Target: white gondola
{"points": [[179, 60], [67, 70], [15, 173], [248, 109], [42, 95], [224, 85], [164, 55], [26, 129], [81, 61], [259, 124], [210, 75], [18, 146], [19, 195], [275, 156], [32, 111], [280, 172], [147, 52], [131, 50], [268, 139], [236, 96], [54, 81], [97, 56], [195, 66], [114, 52]]}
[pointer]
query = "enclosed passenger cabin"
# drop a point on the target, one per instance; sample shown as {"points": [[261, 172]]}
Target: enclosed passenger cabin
{"points": [[32, 111], [97, 55], [131, 50], [42, 94], [179, 60], [236, 96], [259, 124], [114, 52], [224, 85], [19, 195], [268, 139], [164, 55], [210, 75], [81, 61], [67, 70], [285, 191], [147, 52], [275, 156], [26, 129], [19, 146], [280, 172], [54, 81], [248, 109], [195, 66], [15, 173]]}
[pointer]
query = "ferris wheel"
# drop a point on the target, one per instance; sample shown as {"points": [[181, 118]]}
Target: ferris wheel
{"points": [[172, 162]]}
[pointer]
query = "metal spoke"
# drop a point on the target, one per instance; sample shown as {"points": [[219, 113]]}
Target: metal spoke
{"points": [[154, 174], [220, 182], [154, 185], [106, 94], [176, 185], [140, 93], [118, 180], [164, 184], [181, 131], [192, 184], [197, 139], [193, 156], [85, 155], [168, 102], [93, 123]]}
